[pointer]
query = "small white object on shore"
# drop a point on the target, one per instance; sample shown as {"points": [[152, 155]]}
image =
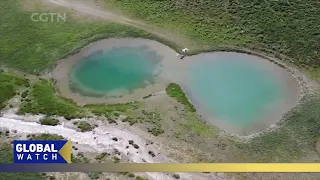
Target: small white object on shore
{"points": [[185, 50]]}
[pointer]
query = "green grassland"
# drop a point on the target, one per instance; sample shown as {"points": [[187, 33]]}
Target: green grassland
{"points": [[35, 46], [112, 110], [8, 87], [287, 27], [42, 99]]}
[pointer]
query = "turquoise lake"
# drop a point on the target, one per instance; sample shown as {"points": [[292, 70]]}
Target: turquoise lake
{"points": [[230, 90], [232, 87], [125, 68]]}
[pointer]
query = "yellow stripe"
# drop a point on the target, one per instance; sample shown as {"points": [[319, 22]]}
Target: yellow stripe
{"points": [[208, 167]]}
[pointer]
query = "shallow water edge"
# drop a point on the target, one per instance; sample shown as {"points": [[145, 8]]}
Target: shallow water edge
{"points": [[170, 61]]}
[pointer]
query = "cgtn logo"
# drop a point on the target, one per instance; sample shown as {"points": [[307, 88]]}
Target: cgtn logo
{"points": [[29, 151]]}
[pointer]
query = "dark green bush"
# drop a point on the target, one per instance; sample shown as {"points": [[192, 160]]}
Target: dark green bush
{"points": [[49, 121], [83, 126]]}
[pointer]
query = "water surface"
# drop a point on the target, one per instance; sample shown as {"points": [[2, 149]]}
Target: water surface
{"points": [[123, 68], [239, 90]]}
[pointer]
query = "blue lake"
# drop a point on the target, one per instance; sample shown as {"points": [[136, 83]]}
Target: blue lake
{"points": [[231, 87], [123, 68], [236, 89]]}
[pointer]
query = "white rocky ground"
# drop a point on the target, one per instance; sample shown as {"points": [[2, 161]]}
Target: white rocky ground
{"points": [[100, 140]]}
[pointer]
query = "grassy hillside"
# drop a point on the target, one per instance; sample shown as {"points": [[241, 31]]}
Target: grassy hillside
{"points": [[34, 46], [9, 86], [291, 28], [288, 27], [43, 100]]}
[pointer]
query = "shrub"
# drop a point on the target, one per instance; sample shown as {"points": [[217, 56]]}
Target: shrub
{"points": [[45, 137], [83, 126], [24, 94], [131, 175], [49, 121], [140, 178], [94, 175], [116, 159], [156, 131], [101, 156], [131, 120]]}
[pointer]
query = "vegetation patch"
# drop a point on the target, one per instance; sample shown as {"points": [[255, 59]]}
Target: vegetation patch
{"points": [[49, 121], [8, 87], [94, 175], [116, 159], [25, 48], [24, 94], [131, 175], [45, 137], [193, 124], [79, 158], [156, 131], [130, 120], [196, 126], [141, 178], [101, 156], [43, 100], [259, 25], [154, 118], [112, 110], [83, 126], [175, 91]]}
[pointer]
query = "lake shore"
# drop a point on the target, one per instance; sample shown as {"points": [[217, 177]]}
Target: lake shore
{"points": [[174, 72], [62, 71]]}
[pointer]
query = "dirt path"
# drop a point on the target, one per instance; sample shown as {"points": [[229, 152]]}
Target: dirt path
{"points": [[97, 11]]}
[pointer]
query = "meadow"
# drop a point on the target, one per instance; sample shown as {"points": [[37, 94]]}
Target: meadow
{"points": [[290, 28], [9, 86], [42, 99], [34, 47]]}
